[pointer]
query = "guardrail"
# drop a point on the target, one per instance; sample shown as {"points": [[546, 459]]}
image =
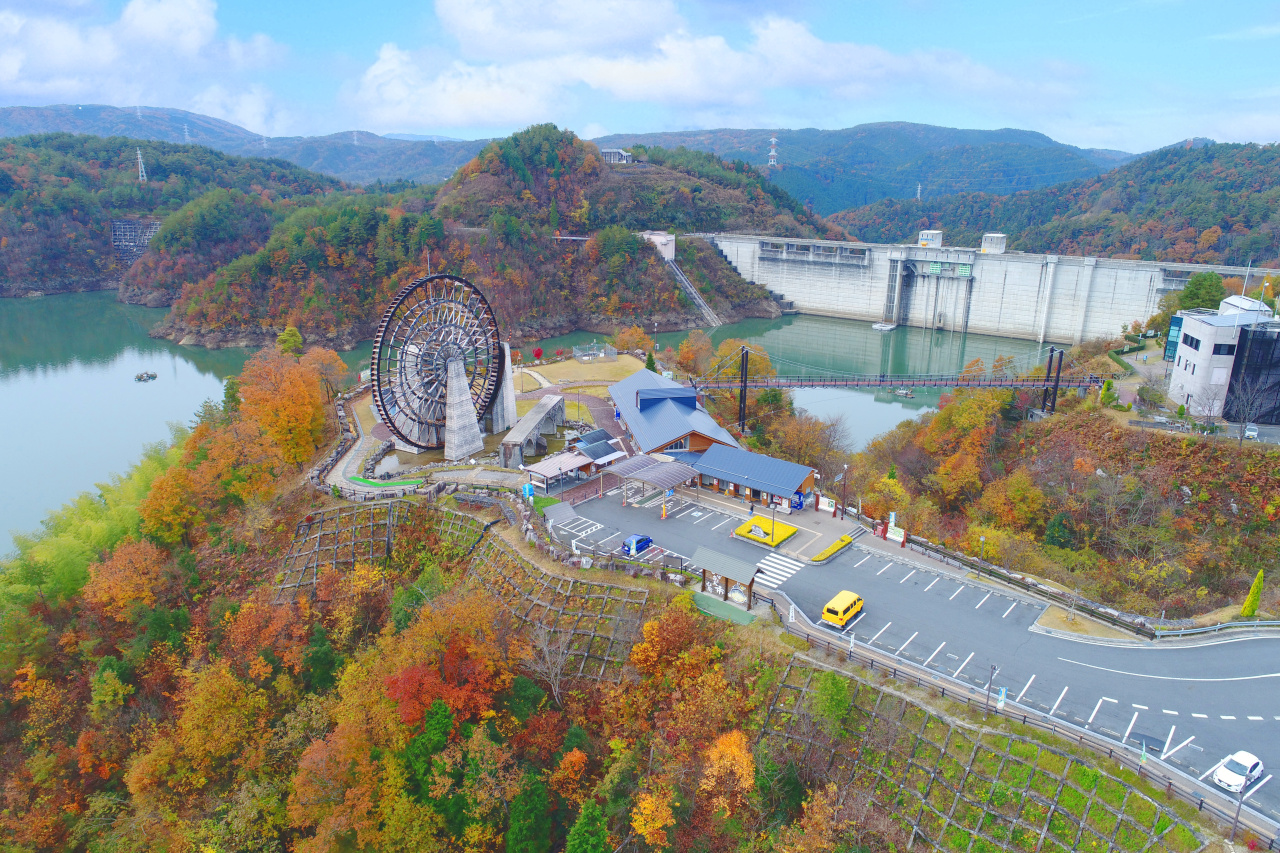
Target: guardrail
{"points": [[795, 622]]}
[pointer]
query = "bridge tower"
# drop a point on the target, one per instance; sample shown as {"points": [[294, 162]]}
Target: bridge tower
{"points": [[773, 150]]}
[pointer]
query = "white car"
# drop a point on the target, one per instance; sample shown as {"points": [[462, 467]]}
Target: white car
{"points": [[1238, 772]]}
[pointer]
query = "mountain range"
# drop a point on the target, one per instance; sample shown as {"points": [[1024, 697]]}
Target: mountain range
{"points": [[829, 170], [356, 157]]}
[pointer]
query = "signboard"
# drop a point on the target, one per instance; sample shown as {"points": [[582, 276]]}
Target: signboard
{"points": [[935, 268], [617, 415], [963, 270], [826, 503], [671, 493], [1175, 335], [897, 534], [1000, 699], [893, 519]]}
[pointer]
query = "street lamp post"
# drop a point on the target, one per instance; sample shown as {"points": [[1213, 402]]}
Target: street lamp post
{"points": [[983, 553], [1239, 804], [844, 490], [987, 708]]}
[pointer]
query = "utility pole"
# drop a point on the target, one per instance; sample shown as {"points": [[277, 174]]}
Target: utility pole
{"points": [[987, 708], [844, 490]]}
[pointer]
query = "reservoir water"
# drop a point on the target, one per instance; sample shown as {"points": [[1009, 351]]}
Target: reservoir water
{"points": [[71, 414]]}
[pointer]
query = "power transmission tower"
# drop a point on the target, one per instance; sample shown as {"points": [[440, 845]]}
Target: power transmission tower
{"points": [[138, 111], [142, 169], [186, 136], [917, 192], [355, 140]]}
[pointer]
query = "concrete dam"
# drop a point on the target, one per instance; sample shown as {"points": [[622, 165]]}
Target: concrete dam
{"points": [[1057, 298]]}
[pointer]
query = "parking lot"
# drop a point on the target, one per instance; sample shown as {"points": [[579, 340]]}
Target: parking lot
{"points": [[1190, 704]]}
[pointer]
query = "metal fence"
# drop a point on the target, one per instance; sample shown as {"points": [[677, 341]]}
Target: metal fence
{"points": [[592, 352]]}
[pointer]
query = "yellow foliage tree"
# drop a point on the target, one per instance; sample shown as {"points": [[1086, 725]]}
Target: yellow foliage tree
{"points": [[729, 773], [633, 338], [283, 396], [651, 816]]}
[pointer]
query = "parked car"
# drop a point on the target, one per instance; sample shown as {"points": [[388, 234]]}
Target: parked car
{"points": [[842, 608], [636, 544], [1238, 772], [1251, 431]]}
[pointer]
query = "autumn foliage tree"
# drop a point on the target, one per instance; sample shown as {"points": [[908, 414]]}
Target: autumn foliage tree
{"points": [[130, 577], [284, 397]]}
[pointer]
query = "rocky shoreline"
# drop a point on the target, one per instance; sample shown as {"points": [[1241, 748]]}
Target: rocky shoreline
{"points": [[524, 333]]}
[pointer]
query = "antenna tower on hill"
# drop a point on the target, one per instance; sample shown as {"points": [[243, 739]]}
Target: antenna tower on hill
{"points": [[142, 169], [773, 150]]}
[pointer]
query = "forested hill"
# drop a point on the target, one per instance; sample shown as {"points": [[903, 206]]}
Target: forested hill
{"points": [[59, 193], [837, 169], [353, 156], [330, 268], [548, 177], [1217, 203]]}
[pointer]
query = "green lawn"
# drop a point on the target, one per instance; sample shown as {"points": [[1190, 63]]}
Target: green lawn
{"points": [[541, 502]]}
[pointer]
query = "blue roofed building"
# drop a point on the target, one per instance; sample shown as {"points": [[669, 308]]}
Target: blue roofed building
{"points": [[662, 415], [754, 476]]}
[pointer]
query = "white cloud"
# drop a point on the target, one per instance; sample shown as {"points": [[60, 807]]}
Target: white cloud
{"points": [[529, 70], [523, 29], [1254, 33], [162, 52]]}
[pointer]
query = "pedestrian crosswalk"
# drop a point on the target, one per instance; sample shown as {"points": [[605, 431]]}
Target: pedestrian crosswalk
{"points": [[775, 569]]}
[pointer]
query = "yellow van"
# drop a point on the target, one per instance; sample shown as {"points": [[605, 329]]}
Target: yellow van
{"points": [[842, 608]]}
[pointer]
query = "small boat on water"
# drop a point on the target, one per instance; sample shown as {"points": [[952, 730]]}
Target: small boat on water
{"points": [[904, 392], [884, 327], [145, 376]]}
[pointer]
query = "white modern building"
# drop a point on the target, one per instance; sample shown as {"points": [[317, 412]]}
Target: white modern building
{"points": [[1201, 370]]}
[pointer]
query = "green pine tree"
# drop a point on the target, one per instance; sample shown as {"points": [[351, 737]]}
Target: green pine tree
{"points": [[650, 364], [530, 830], [589, 833], [289, 341], [1250, 608]]}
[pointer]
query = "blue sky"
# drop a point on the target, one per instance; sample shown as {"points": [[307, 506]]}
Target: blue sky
{"points": [[1128, 75]]}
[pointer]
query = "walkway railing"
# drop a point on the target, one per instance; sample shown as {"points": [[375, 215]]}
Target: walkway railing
{"points": [[936, 380]]}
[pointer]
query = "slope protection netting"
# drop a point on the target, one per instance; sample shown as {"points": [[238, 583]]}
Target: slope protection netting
{"points": [[956, 788]]}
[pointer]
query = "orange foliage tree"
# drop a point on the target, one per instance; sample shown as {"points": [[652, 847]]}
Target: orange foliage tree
{"points": [[283, 396], [129, 577]]}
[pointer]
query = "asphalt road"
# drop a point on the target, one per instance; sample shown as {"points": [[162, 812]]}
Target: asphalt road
{"points": [[1195, 702]]}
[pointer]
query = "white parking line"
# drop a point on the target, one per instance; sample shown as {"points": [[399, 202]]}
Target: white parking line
{"points": [[935, 652], [956, 674], [885, 569], [1141, 707], [957, 592], [1255, 718], [1213, 768], [1054, 709], [1099, 705], [1025, 687], [907, 643], [1225, 717], [930, 586], [1168, 740], [1176, 748], [1125, 739], [1256, 787], [863, 560], [723, 523], [1201, 716], [1167, 711], [982, 602], [909, 574], [1010, 610], [878, 633], [687, 511]]}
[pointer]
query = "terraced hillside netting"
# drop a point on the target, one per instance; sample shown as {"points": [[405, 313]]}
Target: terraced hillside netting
{"points": [[334, 540], [954, 787], [584, 629]]}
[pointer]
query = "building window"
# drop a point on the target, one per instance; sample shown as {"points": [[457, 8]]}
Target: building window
{"points": [[1194, 343], [682, 444], [1179, 364], [1224, 349], [1193, 370]]}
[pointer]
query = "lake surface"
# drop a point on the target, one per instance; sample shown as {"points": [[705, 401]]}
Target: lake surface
{"points": [[71, 414]]}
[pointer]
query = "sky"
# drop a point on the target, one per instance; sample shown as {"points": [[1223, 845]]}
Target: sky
{"points": [[1125, 74]]}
